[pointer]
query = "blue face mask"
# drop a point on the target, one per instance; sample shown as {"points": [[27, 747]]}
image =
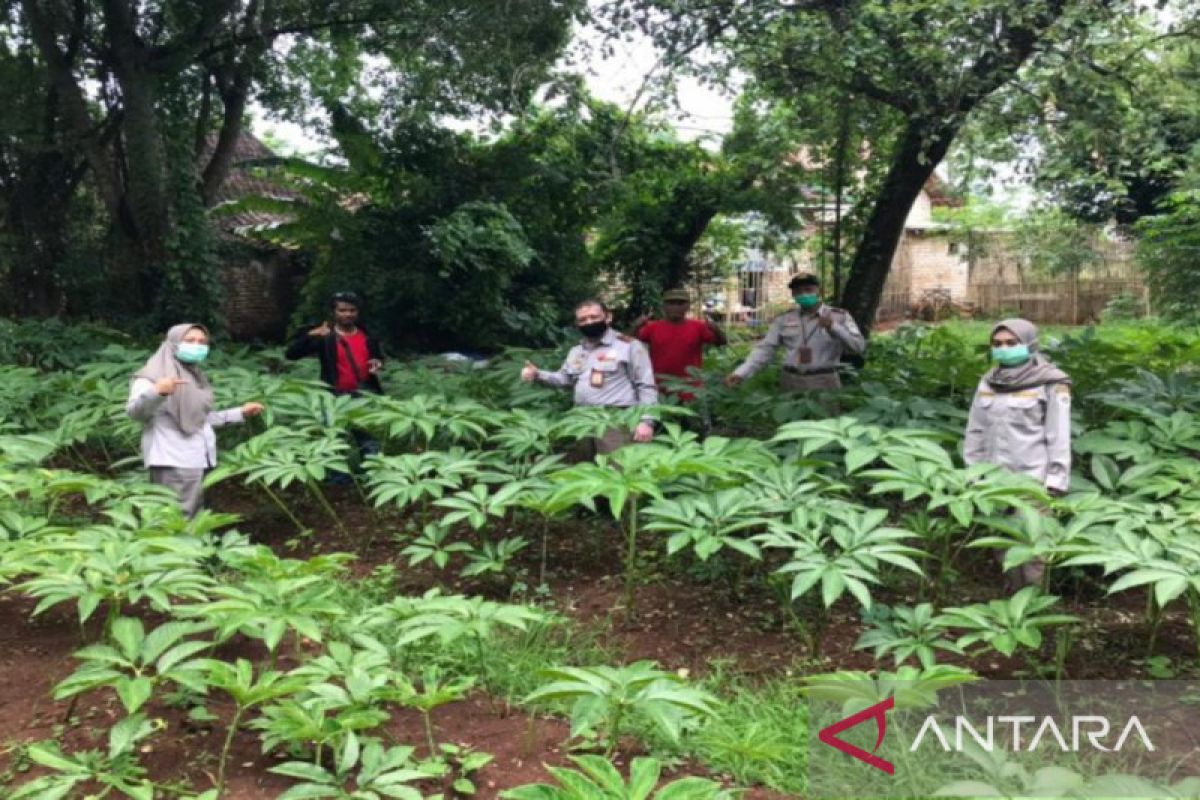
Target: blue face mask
{"points": [[191, 353], [1010, 356], [807, 300]]}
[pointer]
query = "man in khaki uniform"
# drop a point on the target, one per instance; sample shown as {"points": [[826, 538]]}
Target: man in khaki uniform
{"points": [[605, 369], [814, 337]]}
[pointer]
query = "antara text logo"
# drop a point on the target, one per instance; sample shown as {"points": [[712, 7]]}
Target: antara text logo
{"points": [[1028, 734]]}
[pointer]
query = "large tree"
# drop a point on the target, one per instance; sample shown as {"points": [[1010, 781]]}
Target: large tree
{"points": [[147, 99], [921, 67]]}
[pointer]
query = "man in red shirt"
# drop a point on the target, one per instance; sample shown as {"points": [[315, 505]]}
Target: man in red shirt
{"points": [[350, 358], [676, 342], [350, 361]]}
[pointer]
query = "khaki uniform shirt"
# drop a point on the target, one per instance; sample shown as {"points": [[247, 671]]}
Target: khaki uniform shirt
{"points": [[797, 331], [616, 371], [1027, 431]]}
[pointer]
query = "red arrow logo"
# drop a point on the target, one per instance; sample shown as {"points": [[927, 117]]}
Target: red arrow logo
{"points": [[876, 712]]}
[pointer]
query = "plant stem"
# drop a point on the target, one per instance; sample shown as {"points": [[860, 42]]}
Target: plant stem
{"points": [[225, 748], [320, 496], [429, 732], [631, 559], [1062, 642], [479, 655], [545, 547], [1156, 615], [283, 507], [114, 611], [614, 731], [1194, 606]]}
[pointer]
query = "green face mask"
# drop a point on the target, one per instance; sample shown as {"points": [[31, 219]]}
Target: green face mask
{"points": [[1010, 356], [191, 353], [807, 300]]}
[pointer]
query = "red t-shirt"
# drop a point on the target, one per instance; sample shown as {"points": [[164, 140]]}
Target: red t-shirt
{"points": [[675, 346], [346, 382]]}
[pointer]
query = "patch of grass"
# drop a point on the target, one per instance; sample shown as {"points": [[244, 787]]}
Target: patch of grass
{"points": [[761, 735], [515, 660]]}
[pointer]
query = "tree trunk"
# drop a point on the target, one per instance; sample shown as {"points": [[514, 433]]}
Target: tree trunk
{"points": [[147, 201], [679, 268], [920, 151], [78, 127], [234, 93]]}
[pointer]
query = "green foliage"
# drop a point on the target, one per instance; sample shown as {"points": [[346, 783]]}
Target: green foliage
{"points": [[137, 663], [373, 772], [709, 523], [909, 686], [494, 558], [605, 698], [111, 565], [133, 238], [760, 735], [904, 633], [267, 608], [238, 681], [1006, 625], [1166, 250], [842, 554], [598, 779], [114, 768], [820, 511], [432, 546]]}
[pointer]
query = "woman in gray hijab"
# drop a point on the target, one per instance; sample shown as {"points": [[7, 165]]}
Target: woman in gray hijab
{"points": [[1021, 418], [173, 399]]}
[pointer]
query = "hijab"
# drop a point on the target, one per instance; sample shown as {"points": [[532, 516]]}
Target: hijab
{"points": [[1037, 371], [191, 402]]}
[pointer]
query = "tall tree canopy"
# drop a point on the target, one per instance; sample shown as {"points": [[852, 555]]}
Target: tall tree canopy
{"points": [[918, 70], [144, 101]]}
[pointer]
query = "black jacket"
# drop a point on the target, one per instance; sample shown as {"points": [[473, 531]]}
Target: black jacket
{"points": [[326, 350]]}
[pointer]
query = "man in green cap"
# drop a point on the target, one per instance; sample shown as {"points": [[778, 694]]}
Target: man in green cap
{"points": [[814, 337], [676, 343]]}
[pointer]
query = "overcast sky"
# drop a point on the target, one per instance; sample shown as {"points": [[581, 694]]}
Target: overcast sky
{"points": [[616, 79]]}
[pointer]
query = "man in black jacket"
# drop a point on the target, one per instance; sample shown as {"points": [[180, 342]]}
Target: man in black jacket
{"points": [[350, 361], [350, 358]]}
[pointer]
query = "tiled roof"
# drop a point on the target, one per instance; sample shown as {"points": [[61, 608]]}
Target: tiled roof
{"points": [[246, 180]]}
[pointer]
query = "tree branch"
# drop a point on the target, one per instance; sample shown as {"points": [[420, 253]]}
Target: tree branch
{"points": [[270, 34], [188, 46]]}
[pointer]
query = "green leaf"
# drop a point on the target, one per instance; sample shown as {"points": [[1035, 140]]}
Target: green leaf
{"points": [[134, 692]]}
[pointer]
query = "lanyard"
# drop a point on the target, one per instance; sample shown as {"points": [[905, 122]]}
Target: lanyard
{"points": [[805, 332]]}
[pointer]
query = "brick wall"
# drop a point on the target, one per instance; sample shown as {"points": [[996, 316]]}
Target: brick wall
{"points": [[261, 291], [937, 263]]}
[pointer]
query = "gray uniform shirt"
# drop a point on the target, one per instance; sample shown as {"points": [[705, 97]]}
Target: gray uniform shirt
{"points": [[796, 330], [615, 371], [1026, 431], [163, 443]]}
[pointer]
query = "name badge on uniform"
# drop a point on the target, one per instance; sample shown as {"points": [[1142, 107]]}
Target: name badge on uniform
{"points": [[597, 378], [804, 355]]}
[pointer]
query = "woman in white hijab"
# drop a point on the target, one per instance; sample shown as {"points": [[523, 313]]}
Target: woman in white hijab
{"points": [[173, 399], [1021, 419]]}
